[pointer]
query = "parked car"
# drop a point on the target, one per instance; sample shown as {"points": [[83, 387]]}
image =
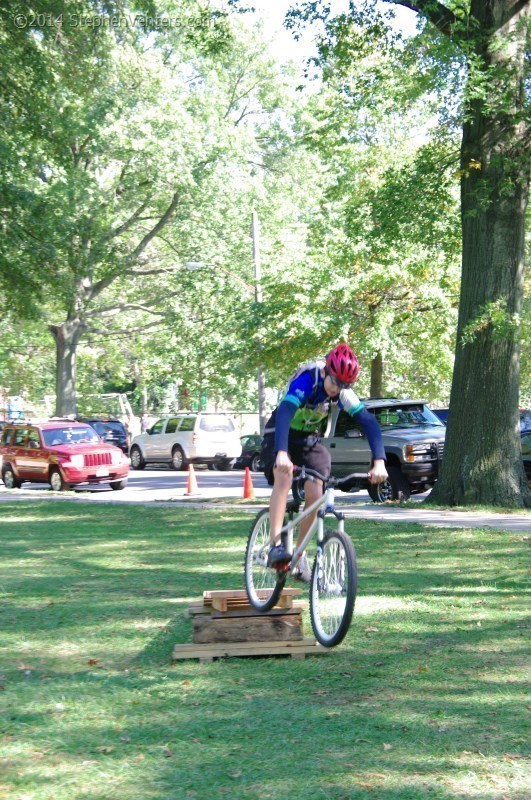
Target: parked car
{"points": [[110, 429], [525, 419], [250, 457], [188, 438], [413, 438], [526, 454], [59, 452]]}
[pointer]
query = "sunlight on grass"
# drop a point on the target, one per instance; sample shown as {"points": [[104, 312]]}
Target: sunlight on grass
{"points": [[424, 699], [371, 604]]}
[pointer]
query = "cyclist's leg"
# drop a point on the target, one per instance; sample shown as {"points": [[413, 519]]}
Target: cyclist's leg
{"points": [[313, 489], [281, 483], [277, 503], [316, 457]]}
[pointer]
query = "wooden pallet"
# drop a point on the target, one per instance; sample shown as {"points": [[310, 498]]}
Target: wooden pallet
{"points": [[225, 624], [230, 600], [208, 652]]}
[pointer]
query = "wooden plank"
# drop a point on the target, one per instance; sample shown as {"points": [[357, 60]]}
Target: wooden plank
{"points": [[226, 603], [249, 611], [245, 609], [247, 629], [242, 594], [207, 652]]}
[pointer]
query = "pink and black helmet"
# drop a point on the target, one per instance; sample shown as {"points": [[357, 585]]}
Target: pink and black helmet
{"points": [[342, 364]]}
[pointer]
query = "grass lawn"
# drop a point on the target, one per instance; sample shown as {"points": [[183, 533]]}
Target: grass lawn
{"points": [[424, 699]]}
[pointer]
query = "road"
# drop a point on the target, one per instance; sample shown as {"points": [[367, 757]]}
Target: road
{"points": [[163, 485], [167, 486]]}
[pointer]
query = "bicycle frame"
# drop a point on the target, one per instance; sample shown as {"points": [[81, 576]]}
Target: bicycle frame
{"points": [[327, 500]]}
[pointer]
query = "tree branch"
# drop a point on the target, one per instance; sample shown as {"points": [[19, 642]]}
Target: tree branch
{"points": [[127, 224], [440, 16], [163, 221]]}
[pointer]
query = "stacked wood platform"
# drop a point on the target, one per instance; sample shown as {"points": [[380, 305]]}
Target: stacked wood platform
{"points": [[225, 624]]}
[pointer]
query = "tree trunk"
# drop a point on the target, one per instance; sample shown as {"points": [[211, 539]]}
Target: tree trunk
{"points": [[482, 460], [67, 338], [377, 376]]}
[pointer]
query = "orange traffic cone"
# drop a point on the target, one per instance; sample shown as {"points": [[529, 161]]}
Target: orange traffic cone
{"points": [[248, 488], [191, 486]]}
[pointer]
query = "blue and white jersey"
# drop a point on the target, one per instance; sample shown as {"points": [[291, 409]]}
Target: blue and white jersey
{"points": [[306, 392], [305, 408]]}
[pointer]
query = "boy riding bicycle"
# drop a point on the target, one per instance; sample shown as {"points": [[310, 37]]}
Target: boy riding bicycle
{"points": [[292, 435]]}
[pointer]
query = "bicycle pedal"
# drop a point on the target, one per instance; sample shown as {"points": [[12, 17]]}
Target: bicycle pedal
{"points": [[282, 566]]}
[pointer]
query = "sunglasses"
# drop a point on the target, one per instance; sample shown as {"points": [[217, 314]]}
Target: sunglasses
{"points": [[336, 382]]}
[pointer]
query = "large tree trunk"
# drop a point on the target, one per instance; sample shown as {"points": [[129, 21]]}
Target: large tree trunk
{"points": [[482, 461], [377, 376], [67, 336]]}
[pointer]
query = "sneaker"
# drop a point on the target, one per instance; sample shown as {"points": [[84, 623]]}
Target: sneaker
{"points": [[302, 571], [278, 555]]}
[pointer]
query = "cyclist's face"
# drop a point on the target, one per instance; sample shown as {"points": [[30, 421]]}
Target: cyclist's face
{"points": [[330, 387]]}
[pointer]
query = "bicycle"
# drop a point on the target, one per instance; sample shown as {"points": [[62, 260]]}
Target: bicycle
{"points": [[334, 575]]}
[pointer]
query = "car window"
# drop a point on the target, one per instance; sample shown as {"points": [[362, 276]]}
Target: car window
{"points": [[526, 446], [100, 428], [172, 425], [251, 441], [20, 436], [34, 439], [406, 416], [216, 422], [345, 423], [6, 436], [103, 427], [68, 434], [187, 424], [157, 427]]}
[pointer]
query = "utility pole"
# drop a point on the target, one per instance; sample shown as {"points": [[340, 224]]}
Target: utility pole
{"points": [[255, 235]]}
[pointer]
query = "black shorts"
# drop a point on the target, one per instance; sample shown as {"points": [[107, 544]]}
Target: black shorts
{"points": [[303, 451]]}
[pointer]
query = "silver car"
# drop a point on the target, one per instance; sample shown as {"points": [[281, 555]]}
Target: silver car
{"points": [[188, 438], [413, 438]]}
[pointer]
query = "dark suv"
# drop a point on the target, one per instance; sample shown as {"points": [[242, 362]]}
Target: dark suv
{"points": [[110, 429], [413, 438]]}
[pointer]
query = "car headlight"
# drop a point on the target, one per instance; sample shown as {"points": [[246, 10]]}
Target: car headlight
{"points": [[118, 457], [424, 451], [77, 460]]}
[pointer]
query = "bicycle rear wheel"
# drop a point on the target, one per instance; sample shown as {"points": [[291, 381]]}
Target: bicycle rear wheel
{"points": [[333, 588], [263, 584]]}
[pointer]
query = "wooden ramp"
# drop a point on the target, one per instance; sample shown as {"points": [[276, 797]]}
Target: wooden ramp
{"points": [[225, 624]]}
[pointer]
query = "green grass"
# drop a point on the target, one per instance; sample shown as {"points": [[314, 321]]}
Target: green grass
{"points": [[424, 699]]}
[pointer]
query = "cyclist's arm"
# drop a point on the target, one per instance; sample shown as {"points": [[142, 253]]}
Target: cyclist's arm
{"points": [[350, 401], [285, 413]]}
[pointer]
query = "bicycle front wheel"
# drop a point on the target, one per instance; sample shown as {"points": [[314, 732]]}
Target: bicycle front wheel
{"points": [[333, 588], [264, 585]]}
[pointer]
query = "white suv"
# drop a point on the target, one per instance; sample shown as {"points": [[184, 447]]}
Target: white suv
{"points": [[198, 438]]}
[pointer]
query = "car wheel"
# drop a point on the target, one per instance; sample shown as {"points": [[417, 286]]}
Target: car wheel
{"points": [[117, 485], [395, 487], [10, 479], [137, 459], [57, 482], [256, 463], [178, 460], [225, 465]]}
